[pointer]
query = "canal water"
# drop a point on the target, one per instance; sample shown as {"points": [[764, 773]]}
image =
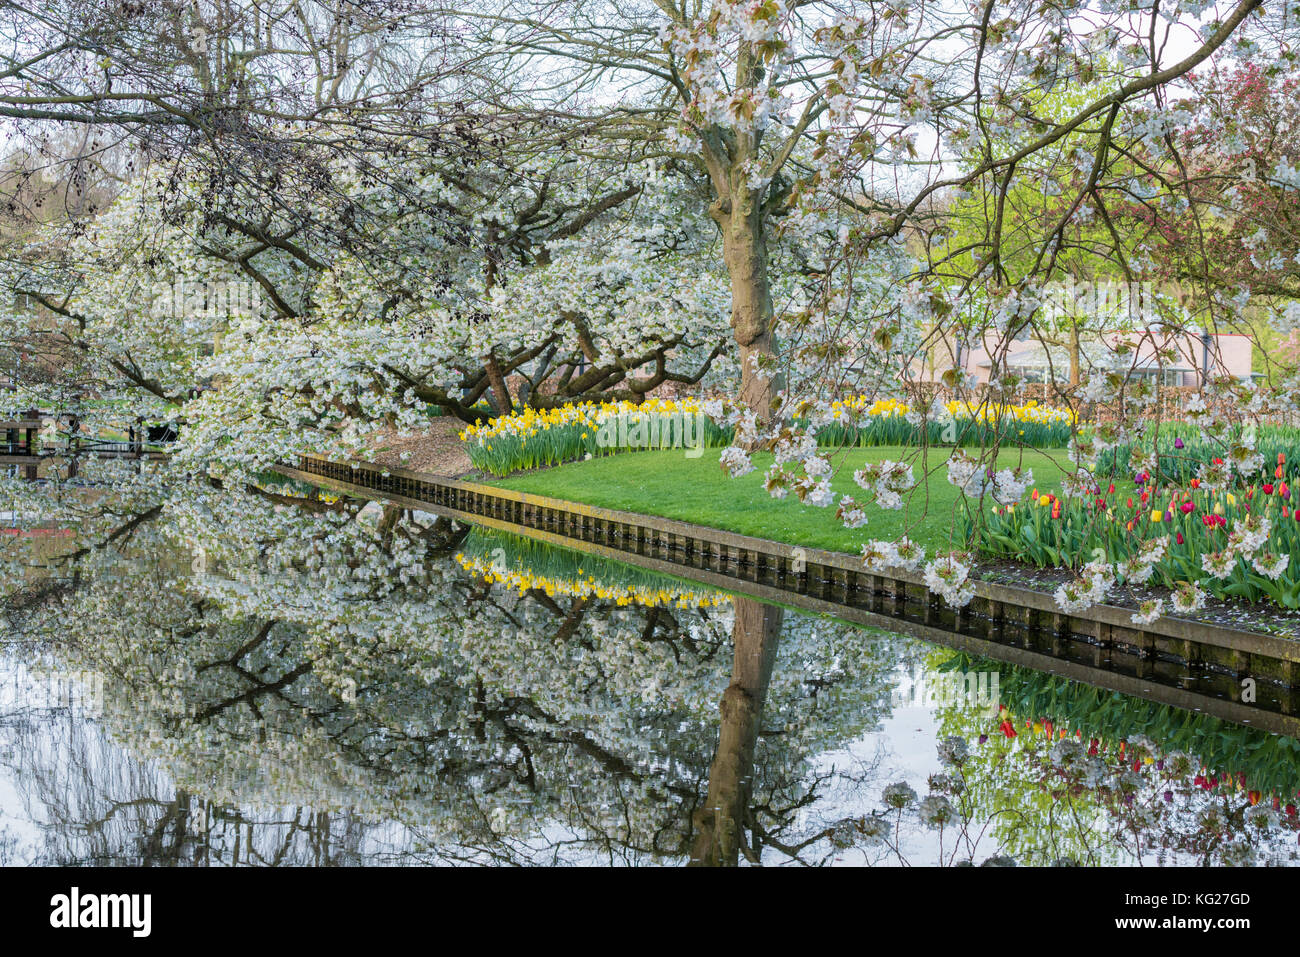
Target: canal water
{"points": [[226, 679]]}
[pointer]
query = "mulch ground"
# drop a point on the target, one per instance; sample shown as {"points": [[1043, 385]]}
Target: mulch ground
{"points": [[436, 450]]}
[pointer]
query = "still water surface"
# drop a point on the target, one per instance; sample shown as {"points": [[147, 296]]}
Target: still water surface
{"points": [[211, 691]]}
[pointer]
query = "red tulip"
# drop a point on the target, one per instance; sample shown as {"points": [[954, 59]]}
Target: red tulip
{"points": [[1180, 538], [1268, 488], [1187, 508], [1007, 729]]}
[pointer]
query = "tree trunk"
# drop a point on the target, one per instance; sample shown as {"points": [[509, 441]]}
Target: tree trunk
{"points": [[744, 249], [1074, 352], [720, 823], [505, 404]]}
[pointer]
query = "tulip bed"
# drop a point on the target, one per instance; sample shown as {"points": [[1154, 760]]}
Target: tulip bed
{"points": [[1225, 756], [1117, 523], [1181, 450]]}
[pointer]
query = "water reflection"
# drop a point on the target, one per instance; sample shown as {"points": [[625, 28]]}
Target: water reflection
{"points": [[266, 681]]}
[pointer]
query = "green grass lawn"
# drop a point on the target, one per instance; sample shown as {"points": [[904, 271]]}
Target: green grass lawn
{"points": [[698, 490]]}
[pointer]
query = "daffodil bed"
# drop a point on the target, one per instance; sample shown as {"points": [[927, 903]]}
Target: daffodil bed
{"points": [[534, 439], [525, 565], [859, 422]]}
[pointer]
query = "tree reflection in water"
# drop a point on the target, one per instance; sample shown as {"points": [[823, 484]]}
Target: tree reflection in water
{"points": [[321, 661], [289, 682]]}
